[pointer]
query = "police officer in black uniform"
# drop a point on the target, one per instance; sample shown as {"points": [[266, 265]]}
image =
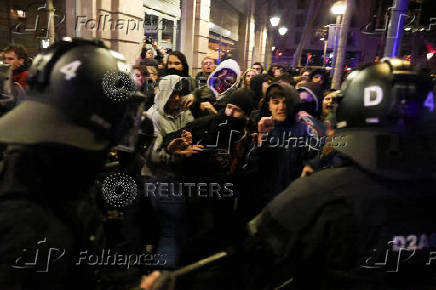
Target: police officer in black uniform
{"points": [[81, 102], [369, 224]]}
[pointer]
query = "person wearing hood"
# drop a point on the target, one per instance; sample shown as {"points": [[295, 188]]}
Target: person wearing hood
{"points": [[283, 136], [168, 115], [311, 96], [214, 97], [213, 150], [320, 76], [256, 86]]}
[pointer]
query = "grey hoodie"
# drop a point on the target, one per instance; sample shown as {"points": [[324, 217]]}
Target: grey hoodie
{"points": [[165, 123]]}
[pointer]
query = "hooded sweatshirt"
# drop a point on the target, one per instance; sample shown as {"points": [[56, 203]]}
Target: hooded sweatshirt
{"points": [[229, 64], [163, 122], [210, 94], [313, 108], [271, 166]]}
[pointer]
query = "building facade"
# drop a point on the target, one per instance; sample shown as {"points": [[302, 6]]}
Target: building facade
{"points": [[217, 28]]}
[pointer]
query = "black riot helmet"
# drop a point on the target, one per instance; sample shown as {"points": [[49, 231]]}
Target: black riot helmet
{"points": [[386, 115], [389, 94], [80, 93]]}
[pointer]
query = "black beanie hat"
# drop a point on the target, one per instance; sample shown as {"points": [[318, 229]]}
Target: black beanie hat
{"points": [[243, 98]]}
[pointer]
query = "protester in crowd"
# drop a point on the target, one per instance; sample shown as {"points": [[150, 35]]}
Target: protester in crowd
{"points": [[304, 77], [214, 148], [329, 106], [208, 65], [145, 84], [140, 73], [221, 83], [256, 86], [320, 76], [149, 53], [16, 56], [285, 78], [153, 73], [328, 119], [284, 136], [177, 64], [276, 70], [311, 95], [257, 66], [246, 77], [168, 117]]}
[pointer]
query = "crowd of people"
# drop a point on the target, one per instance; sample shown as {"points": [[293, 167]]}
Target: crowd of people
{"points": [[221, 127], [208, 155]]}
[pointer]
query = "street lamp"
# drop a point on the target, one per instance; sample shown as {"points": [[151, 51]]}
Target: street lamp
{"points": [[339, 8], [283, 30], [274, 21]]}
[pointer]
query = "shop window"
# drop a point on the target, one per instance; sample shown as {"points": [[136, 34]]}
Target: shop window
{"points": [[151, 26], [167, 33]]}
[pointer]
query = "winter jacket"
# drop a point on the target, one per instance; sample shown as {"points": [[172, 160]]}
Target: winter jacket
{"points": [[211, 221], [20, 76], [279, 160]]}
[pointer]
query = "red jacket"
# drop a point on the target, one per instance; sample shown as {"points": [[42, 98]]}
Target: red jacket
{"points": [[20, 77]]}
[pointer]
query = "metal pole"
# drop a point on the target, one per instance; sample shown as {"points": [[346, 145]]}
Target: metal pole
{"points": [[51, 32], [159, 30], [335, 48], [325, 52], [395, 30], [342, 46]]}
